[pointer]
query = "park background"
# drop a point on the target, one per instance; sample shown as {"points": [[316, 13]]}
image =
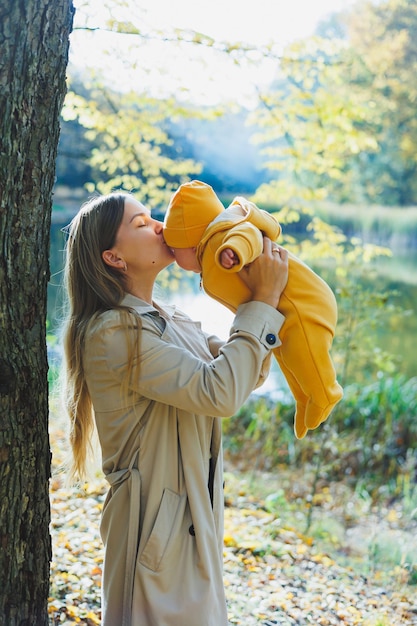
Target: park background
{"points": [[314, 118]]}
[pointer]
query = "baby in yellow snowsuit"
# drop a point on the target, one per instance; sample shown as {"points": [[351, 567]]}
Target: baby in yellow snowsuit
{"points": [[218, 242]]}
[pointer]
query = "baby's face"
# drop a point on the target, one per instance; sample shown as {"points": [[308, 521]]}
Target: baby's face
{"points": [[187, 259]]}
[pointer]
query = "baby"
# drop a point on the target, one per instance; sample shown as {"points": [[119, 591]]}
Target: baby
{"points": [[207, 238]]}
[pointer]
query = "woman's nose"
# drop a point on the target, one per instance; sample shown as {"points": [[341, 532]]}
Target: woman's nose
{"points": [[158, 226]]}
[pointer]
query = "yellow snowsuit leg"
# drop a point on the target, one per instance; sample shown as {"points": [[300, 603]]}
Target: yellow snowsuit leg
{"points": [[310, 309]]}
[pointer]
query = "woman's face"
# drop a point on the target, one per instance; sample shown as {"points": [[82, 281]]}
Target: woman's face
{"points": [[139, 243]]}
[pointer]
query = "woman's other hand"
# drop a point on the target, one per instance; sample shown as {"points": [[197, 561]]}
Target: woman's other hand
{"points": [[267, 276]]}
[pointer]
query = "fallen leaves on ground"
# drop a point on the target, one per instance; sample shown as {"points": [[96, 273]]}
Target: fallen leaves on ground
{"points": [[77, 562], [273, 573], [286, 581]]}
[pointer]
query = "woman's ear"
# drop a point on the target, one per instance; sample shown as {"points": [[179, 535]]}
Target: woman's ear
{"points": [[111, 259]]}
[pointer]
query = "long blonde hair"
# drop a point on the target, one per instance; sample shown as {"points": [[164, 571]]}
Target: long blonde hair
{"points": [[92, 287]]}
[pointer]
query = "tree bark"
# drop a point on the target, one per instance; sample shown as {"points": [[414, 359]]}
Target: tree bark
{"points": [[34, 41]]}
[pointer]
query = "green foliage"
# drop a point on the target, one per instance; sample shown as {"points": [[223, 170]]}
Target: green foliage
{"points": [[340, 120], [267, 427], [174, 280], [132, 146], [363, 311], [384, 412], [369, 439], [313, 126], [384, 64]]}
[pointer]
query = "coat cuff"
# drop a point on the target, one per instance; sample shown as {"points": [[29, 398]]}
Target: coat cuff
{"points": [[261, 320]]}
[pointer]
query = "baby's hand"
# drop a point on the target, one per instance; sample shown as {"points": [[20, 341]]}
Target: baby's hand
{"points": [[228, 258]]}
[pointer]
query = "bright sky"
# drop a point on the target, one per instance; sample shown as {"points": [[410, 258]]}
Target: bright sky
{"points": [[192, 72], [255, 21]]}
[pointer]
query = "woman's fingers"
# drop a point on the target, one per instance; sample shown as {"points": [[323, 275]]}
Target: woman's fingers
{"points": [[267, 276]]}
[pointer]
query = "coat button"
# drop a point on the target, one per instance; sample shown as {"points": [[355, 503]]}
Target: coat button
{"points": [[191, 530], [271, 339]]}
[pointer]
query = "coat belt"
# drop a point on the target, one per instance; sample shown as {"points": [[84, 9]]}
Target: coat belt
{"points": [[115, 479]]}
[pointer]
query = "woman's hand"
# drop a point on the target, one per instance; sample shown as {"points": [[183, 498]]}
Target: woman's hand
{"points": [[267, 276]]}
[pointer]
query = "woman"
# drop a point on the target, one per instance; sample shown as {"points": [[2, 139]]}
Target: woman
{"points": [[155, 385]]}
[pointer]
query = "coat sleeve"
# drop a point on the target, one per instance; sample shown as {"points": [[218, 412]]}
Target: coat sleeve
{"points": [[214, 344], [171, 374]]}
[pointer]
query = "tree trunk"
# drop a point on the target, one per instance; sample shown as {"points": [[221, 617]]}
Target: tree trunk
{"points": [[34, 40]]}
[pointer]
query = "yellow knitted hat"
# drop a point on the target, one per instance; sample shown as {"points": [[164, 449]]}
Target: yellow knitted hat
{"points": [[191, 209]]}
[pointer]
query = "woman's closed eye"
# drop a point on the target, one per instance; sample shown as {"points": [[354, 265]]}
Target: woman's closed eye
{"points": [[140, 219]]}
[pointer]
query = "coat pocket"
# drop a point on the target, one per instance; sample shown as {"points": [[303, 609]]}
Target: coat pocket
{"points": [[165, 523]]}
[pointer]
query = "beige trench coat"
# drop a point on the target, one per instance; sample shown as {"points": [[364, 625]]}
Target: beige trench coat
{"points": [[162, 522]]}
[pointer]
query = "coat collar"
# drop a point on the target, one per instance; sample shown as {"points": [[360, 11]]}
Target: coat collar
{"points": [[142, 307]]}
